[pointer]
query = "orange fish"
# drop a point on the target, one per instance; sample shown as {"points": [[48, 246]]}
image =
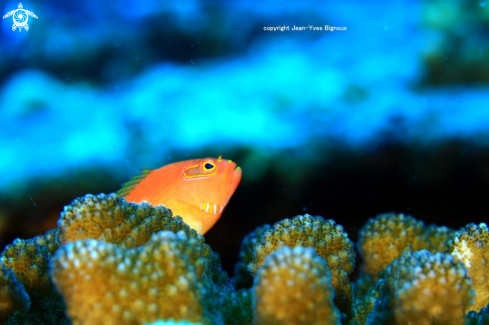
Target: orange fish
{"points": [[197, 190]]}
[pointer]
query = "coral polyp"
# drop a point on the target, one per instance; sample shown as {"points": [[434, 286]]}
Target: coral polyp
{"points": [[294, 287], [470, 245], [104, 283], [326, 237], [113, 262], [423, 288]]}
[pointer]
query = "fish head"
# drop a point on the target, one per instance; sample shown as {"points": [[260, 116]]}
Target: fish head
{"points": [[212, 181], [206, 187], [209, 183]]}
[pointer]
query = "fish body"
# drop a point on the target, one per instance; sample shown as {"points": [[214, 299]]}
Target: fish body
{"points": [[197, 190]]}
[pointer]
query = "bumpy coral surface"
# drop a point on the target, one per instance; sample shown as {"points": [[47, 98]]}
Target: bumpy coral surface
{"points": [[105, 217], [383, 239], [326, 237], [478, 318], [363, 306], [172, 322], [242, 277], [434, 237], [470, 245], [294, 287], [106, 284], [111, 219], [423, 288], [116, 262], [29, 262], [12, 294]]}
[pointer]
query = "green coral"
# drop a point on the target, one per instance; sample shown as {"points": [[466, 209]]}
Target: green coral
{"points": [[49, 240], [12, 294], [423, 288], [478, 318], [362, 284], [228, 306], [113, 220], [434, 237], [105, 217], [122, 262], [326, 237], [294, 287], [363, 306], [470, 245], [242, 277], [28, 261], [104, 283], [172, 322], [384, 238]]}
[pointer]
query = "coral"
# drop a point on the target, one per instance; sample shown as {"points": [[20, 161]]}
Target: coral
{"points": [[140, 281], [172, 322], [47, 307], [326, 237], [478, 318], [105, 217], [28, 261], [104, 283], [227, 306], [242, 277], [434, 237], [363, 283], [12, 294], [240, 307], [118, 262], [363, 306], [470, 245], [294, 287], [423, 288], [113, 220], [384, 238]]}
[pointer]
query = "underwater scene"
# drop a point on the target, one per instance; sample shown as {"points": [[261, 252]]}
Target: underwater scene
{"points": [[234, 162]]}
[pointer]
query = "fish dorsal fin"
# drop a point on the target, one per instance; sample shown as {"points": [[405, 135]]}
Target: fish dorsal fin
{"points": [[129, 186]]}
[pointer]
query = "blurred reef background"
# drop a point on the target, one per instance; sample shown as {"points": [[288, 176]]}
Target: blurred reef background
{"points": [[391, 115]]}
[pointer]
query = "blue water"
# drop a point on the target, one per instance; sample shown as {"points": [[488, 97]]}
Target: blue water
{"points": [[86, 84]]}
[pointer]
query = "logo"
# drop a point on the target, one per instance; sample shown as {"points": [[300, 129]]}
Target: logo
{"points": [[20, 16]]}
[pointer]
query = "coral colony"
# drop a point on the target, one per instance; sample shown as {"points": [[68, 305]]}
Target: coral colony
{"points": [[114, 262]]}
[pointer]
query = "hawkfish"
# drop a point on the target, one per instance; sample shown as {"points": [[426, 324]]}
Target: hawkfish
{"points": [[198, 190]]}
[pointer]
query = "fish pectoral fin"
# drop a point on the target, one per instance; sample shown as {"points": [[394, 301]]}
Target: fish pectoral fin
{"points": [[211, 208]]}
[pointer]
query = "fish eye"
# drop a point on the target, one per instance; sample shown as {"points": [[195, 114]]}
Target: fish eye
{"points": [[209, 166]]}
